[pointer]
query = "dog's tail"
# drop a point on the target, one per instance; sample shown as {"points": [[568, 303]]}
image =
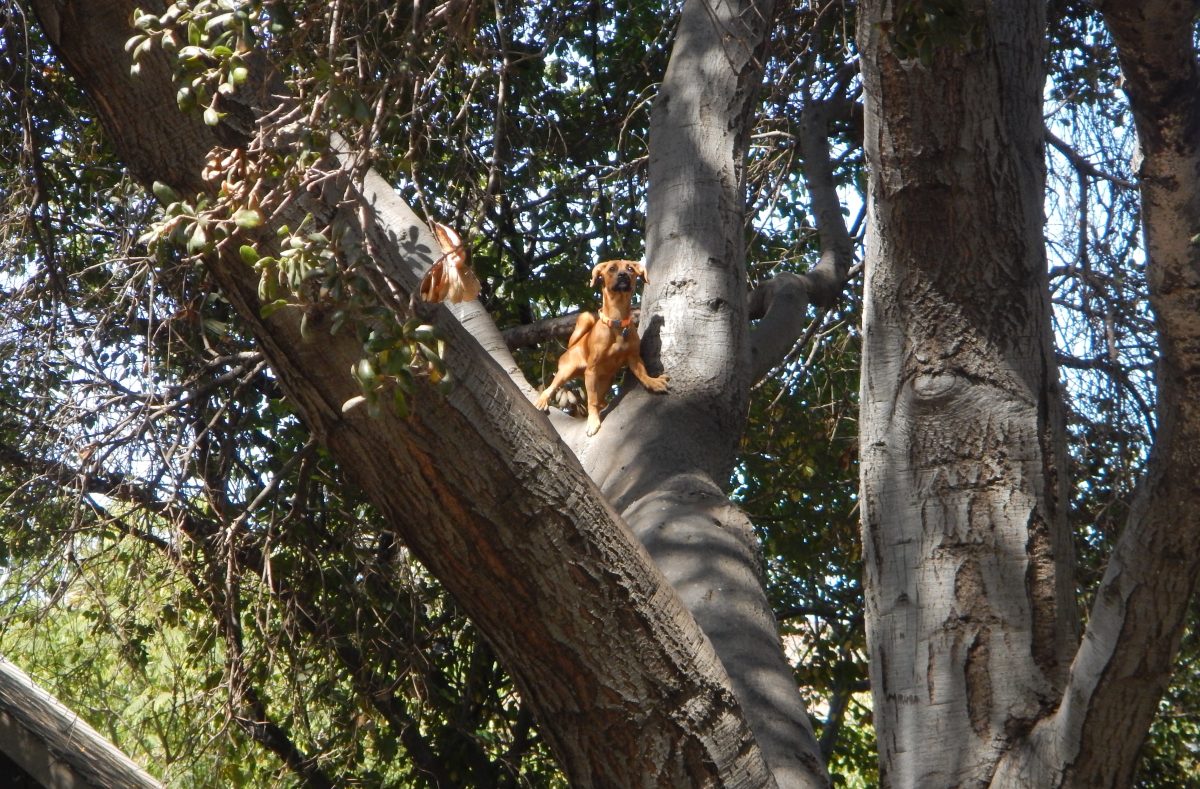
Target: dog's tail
{"points": [[450, 278]]}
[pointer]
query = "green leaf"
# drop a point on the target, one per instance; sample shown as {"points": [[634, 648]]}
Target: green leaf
{"points": [[426, 333], [248, 254], [335, 323], [217, 21], [193, 53], [268, 285], [404, 380], [248, 218], [364, 371], [185, 97], [400, 400], [198, 241], [165, 194], [270, 308]]}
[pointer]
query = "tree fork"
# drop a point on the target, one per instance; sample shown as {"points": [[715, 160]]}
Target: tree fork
{"points": [[627, 688]]}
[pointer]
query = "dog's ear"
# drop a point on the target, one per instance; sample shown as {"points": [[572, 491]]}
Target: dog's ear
{"points": [[640, 270], [598, 275]]}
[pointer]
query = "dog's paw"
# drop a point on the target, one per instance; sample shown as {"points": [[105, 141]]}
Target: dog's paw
{"points": [[658, 384], [542, 403], [593, 425]]}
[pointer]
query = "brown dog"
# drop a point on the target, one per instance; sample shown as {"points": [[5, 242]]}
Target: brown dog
{"points": [[601, 344]]}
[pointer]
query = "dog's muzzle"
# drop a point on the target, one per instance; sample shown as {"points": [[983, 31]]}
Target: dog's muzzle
{"points": [[624, 282]]}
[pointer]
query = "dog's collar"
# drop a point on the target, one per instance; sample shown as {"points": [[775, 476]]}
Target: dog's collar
{"points": [[617, 323]]}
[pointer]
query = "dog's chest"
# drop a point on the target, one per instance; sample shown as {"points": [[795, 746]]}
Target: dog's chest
{"points": [[615, 344]]}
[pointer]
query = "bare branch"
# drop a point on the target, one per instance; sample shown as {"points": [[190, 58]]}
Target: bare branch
{"points": [[1083, 164]]}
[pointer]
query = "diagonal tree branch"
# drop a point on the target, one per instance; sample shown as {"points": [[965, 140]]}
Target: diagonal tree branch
{"points": [[1082, 164], [53, 744], [479, 487]]}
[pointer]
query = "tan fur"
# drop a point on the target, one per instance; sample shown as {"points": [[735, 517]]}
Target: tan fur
{"points": [[597, 350], [450, 278]]}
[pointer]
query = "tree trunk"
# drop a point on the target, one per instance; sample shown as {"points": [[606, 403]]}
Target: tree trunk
{"points": [[626, 688], [968, 579], [664, 460]]}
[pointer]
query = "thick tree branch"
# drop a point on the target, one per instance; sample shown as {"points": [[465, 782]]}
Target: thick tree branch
{"points": [[837, 250], [53, 744], [663, 460], [529, 335], [517, 533]]}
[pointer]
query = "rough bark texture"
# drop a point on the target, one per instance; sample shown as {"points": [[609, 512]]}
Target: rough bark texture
{"points": [[53, 745], [626, 687], [664, 460], [968, 577], [1140, 609]]}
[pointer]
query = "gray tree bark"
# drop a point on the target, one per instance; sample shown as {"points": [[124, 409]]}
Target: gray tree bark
{"points": [[664, 461], [968, 580], [975, 672], [1140, 608]]}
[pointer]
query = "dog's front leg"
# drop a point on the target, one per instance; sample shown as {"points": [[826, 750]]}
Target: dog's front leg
{"points": [[638, 367], [565, 371], [596, 398]]}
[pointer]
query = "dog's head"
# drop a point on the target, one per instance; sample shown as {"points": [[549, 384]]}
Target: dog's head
{"points": [[619, 276]]}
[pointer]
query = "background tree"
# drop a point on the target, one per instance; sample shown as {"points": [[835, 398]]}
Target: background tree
{"points": [[278, 539], [970, 605]]}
